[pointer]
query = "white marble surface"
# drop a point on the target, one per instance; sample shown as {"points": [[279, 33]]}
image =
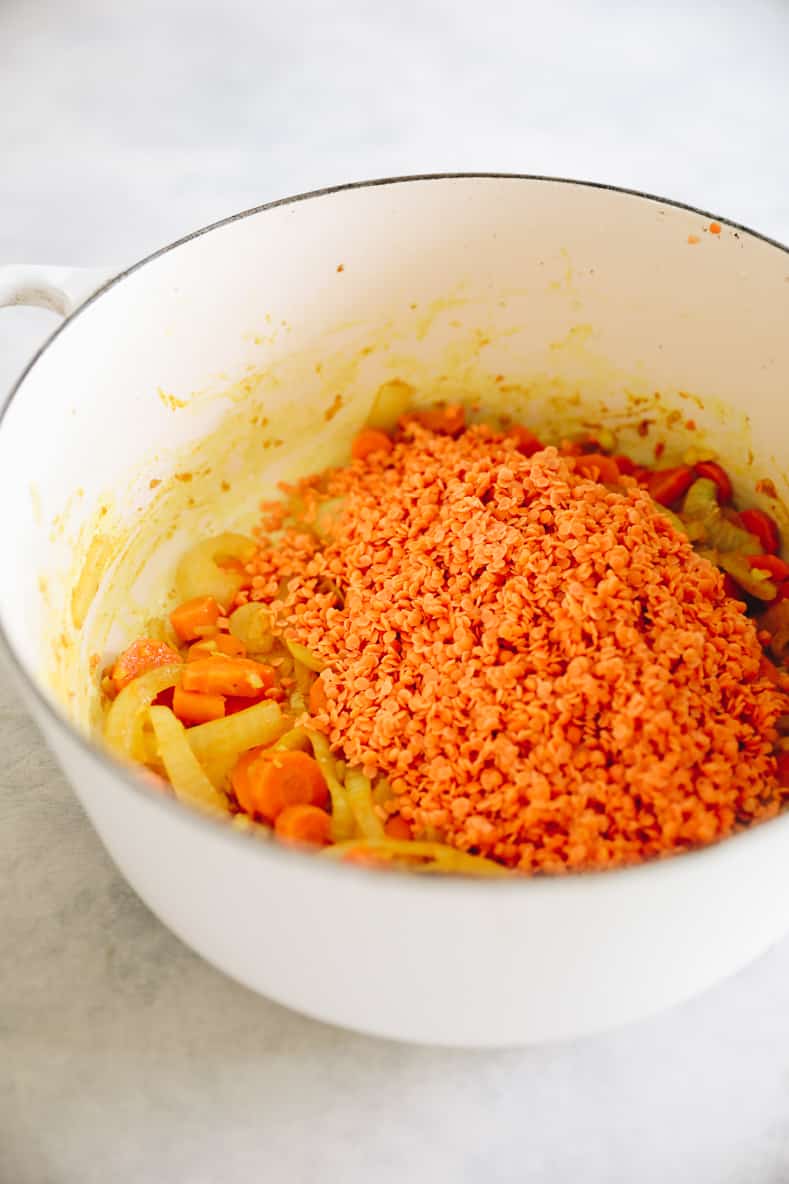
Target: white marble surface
{"points": [[122, 1056]]}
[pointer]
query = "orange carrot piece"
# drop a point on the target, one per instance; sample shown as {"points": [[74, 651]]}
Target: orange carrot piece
{"points": [[713, 472], [265, 782], [447, 421], [732, 588], [219, 675], [775, 567], [303, 823], [221, 643], [525, 441], [397, 827], [142, 655], [598, 467], [193, 615], [194, 708], [763, 527], [668, 485], [240, 776], [368, 441], [318, 700], [626, 466], [715, 227]]}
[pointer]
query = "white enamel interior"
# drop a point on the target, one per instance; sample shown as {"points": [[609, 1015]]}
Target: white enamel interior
{"points": [[527, 293]]}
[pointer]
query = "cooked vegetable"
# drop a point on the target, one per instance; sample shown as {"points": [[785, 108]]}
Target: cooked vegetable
{"points": [[266, 781], [192, 618], [220, 643], [757, 523], [361, 799], [183, 768], [219, 675], [303, 823], [318, 701], [598, 467], [301, 654], [673, 518], [193, 708], [417, 856], [626, 466], [444, 727], [712, 471], [200, 573], [142, 655], [251, 625], [667, 486], [525, 441], [753, 581], [218, 745], [773, 565], [392, 401], [446, 421], [397, 827], [295, 738], [732, 588], [707, 523], [343, 822], [123, 728], [369, 441]]}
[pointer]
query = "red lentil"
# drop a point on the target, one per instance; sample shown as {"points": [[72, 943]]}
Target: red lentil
{"points": [[540, 664]]}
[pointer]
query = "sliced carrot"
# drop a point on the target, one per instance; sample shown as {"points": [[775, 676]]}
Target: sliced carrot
{"points": [[732, 588], [220, 643], [626, 466], [715, 227], [447, 421], [368, 441], [764, 528], [773, 564], [397, 827], [194, 708], [219, 675], [189, 618], [142, 655], [525, 441], [318, 700], [714, 472], [598, 467], [303, 823], [266, 781], [240, 776], [668, 485]]}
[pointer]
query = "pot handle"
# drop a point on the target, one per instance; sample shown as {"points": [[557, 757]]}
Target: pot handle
{"points": [[60, 289]]}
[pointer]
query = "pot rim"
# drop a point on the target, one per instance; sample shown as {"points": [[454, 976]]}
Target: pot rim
{"points": [[277, 852]]}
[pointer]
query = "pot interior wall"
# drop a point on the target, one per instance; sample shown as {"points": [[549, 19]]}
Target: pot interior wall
{"points": [[172, 404]]}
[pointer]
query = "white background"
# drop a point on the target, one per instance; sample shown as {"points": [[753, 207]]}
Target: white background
{"points": [[124, 1058]]}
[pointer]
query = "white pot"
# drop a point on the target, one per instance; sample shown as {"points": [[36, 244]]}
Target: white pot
{"points": [[524, 289]]}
